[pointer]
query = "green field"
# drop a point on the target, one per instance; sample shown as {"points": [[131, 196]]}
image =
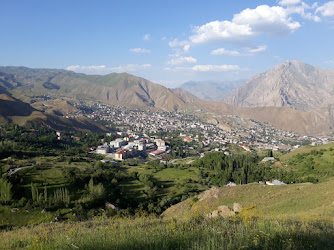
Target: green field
{"points": [[296, 200]]}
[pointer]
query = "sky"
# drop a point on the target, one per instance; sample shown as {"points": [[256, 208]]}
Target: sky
{"points": [[167, 42]]}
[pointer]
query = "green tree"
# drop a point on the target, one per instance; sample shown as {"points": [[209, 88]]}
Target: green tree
{"points": [[5, 191]]}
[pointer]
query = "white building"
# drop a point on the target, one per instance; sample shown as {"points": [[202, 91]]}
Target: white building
{"points": [[103, 150], [118, 143]]}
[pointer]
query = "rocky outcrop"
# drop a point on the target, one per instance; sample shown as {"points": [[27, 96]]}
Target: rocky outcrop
{"points": [[225, 212]]}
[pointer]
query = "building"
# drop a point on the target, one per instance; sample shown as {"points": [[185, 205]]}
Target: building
{"points": [[118, 143], [141, 147], [59, 133], [103, 150], [275, 183], [187, 139], [266, 159], [122, 155], [157, 152], [160, 143], [230, 184]]}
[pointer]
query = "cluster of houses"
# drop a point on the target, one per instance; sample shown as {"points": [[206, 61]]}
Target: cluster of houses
{"points": [[131, 145], [258, 136]]}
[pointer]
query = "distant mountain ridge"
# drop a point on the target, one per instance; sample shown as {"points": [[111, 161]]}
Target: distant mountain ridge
{"points": [[135, 92], [118, 89], [211, 90]]}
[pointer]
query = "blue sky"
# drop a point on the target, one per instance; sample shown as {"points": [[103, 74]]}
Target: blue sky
{"points": [[168, 42]]}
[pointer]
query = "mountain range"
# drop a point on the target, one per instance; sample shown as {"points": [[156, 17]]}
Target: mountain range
{"points": [[211, 90], [292, 96]]}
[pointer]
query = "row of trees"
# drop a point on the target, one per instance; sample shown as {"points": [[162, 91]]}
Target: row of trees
{"points": [[60, 197]]}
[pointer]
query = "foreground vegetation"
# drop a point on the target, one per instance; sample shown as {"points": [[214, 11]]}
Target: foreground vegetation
{"points": [[54, 194], [245, 231]]}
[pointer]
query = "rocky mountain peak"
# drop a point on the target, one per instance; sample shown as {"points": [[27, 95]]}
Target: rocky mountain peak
{"points": [[292, 83]]}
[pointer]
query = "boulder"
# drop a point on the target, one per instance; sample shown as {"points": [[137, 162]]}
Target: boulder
{"points": [[225, 211], [110, 206], [214, 214], [237, 207], [13, 210]]}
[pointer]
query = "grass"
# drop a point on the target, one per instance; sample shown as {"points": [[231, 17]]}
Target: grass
{"points": [[240, 232], [175, 174], [23, 217], [167, 178], [288, 200]]}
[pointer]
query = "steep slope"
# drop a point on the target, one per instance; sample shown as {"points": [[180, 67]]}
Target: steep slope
{"points": [[11, 108], [15, 111], [293, 84], [211, 90]]}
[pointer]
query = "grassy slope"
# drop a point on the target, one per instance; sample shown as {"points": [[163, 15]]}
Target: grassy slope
{"points": [[243, 231], [289, 200]]}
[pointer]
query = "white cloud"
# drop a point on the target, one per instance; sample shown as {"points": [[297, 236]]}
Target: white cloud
{"points": [[204, 68], [147, 37], [226, 52], [131, 67], [182, 60], [247, 24], [215, 68], [327, 9], [248, 51], [177, 43], [269, 20], [103, 69], [79, 68], [140, 50], [186, 48], [289, 2], [223, 31], [303, 10], [163, 38], [258, 49]]}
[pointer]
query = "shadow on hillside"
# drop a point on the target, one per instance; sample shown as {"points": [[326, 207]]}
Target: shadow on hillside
{"points": [[15, 108]]}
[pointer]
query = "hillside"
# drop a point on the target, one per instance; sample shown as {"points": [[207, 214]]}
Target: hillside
{"points": [[15, 111], [118, 89], [284, 118], [287, 200], [211, 90]]}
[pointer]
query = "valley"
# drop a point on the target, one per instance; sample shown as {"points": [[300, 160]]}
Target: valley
{"points": [[167, 125], [78, 149]]}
